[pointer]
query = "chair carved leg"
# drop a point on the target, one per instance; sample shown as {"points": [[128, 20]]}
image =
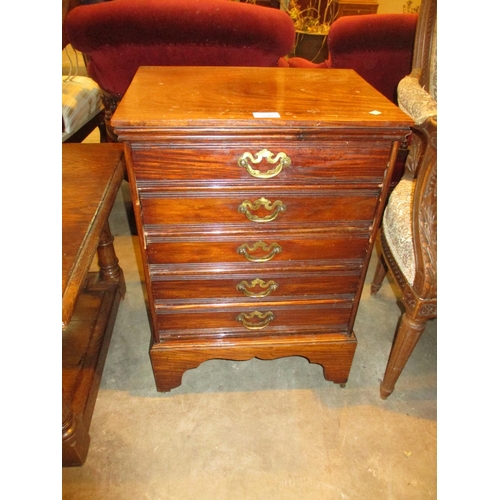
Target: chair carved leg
{"points": [[103, 134], [406, 339], [380, 272]]}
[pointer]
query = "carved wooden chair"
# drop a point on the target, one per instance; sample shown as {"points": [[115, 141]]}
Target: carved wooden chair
{"points": [[408, 233], [117, 37]]}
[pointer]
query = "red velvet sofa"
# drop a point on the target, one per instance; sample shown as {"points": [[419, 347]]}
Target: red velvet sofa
{"points": [[119, 36]]}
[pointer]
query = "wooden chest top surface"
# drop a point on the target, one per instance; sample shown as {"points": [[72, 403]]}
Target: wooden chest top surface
{"points": [[232, 97]]}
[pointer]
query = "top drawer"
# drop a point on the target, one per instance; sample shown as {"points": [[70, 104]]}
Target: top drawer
{"points": [[290, 163]]}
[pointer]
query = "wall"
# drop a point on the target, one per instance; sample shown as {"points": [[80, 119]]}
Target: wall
{"points": [[394, 6]]}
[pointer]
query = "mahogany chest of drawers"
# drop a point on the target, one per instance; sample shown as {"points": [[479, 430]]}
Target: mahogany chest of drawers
{"points": [[257, 193]]}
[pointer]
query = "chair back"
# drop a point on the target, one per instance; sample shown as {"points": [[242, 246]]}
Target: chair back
{"points": [[424, 65], [417, 95]]}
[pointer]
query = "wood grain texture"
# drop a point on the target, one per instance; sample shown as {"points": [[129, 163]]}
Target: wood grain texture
{"points": [[227, 97]]}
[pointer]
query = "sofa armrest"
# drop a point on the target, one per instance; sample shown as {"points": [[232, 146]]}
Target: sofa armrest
{"points": [[299, 62]]}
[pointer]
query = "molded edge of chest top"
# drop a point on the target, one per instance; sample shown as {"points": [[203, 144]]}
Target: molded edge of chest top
{"points": [[169, 98]]}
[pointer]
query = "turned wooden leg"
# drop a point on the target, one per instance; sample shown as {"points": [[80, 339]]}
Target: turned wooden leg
{"points": [[406, 339], [380, 272], [109, 270], [75, 439]]}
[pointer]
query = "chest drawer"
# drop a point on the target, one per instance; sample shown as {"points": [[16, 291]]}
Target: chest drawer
{"points": [[236, 320], [258, 207], [255, 248], [255, 284], [294, 162]]}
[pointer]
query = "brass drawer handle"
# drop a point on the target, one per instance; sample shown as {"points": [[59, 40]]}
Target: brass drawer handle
{"points": [[246, 288], [248, 319], [282, 158], [245, 208], [247, 249]]}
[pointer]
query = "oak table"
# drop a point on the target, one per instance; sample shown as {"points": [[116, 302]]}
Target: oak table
{"points": [[257, 194], [91, 178]]}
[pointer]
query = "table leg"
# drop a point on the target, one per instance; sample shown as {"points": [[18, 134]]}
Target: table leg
{"points": [[109, 270]]}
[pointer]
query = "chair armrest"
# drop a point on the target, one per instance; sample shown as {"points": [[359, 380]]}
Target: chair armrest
{"points": [[415, 101]]}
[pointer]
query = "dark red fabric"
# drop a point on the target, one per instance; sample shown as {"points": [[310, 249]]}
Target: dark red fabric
{"points": [[379, 47], [119, 36]]}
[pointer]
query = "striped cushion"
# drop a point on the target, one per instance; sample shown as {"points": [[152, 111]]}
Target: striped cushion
{"points": [[81, 101]]}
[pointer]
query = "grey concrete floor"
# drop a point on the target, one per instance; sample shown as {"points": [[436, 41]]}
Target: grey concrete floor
{"points": [[259, 429]]}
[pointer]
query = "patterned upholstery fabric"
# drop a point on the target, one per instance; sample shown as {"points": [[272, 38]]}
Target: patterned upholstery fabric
{"points": [[81, 101], [398, 228], [415, 101], [420, 104]]}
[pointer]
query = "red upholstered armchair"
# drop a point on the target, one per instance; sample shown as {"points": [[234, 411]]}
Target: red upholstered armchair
{"points": [[119, 36], [379, 47]]}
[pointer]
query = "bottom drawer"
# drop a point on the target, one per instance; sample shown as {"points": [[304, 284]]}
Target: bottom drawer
{"points": [[269, 318]]}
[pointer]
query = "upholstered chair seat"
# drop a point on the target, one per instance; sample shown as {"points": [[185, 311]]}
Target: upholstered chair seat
{"points": [[397, 220], [81, 103], [82, 108], [397, 227]]}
